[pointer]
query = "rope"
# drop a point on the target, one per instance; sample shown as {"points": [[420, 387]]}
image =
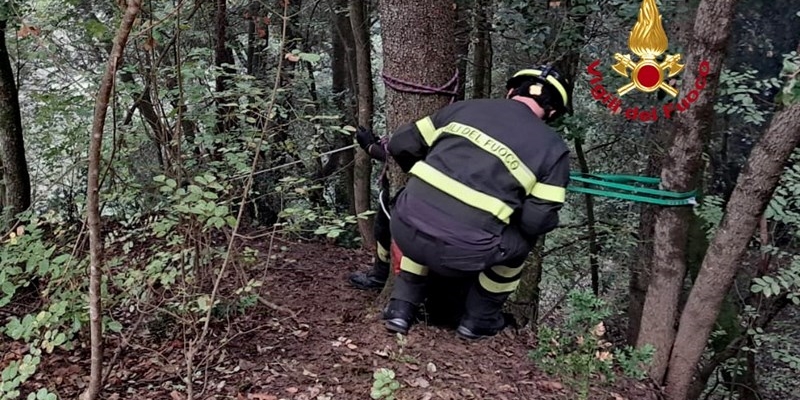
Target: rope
{"points": [[623, 187], [450, 88], [383, 206], [296, 162]]}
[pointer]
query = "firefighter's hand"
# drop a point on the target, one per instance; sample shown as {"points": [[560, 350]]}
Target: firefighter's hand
{"points": [[365, 137]]}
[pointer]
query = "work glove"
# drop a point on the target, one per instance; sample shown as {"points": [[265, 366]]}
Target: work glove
{"points": [[365, 137]]}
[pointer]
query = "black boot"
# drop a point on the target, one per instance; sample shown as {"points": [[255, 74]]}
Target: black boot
{"points": [[477, 333], [399, 315], [373, 279]]}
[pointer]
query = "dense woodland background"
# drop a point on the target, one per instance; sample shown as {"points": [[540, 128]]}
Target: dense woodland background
{"points": [[182, 201]]}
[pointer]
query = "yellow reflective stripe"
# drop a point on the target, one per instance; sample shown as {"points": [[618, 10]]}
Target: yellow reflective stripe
{"points": [[460, 191], [506, 272], [427, 130], [549, 192], [408, 265], [496, 287], [383, 254], [515, 166]]}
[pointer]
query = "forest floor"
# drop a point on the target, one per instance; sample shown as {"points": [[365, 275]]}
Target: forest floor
{"points": [[329, 350]]}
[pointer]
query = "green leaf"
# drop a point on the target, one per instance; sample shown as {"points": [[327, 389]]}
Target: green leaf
{"points": [[115, 326], [309, 57], [10, 372]]}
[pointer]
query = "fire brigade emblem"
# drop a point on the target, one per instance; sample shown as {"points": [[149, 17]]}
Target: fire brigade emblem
{"points": [[648, 41]]}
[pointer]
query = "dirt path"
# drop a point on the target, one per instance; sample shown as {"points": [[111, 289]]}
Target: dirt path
{"points": [[329, 351]]}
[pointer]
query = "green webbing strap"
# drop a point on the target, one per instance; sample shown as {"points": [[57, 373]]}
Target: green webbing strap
{"points": [[624, 188]]}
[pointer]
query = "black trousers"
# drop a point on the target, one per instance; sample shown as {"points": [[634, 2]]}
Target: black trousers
{"points": [[494, 274]]}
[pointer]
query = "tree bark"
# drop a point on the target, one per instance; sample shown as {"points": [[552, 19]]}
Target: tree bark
{"points": [[415, 33], [594, 248], [750, 197], [680, 173], [481, 63], [463, 31], [12, 145], [93, 201], [659, 137], [342, 86], [366, 104]]}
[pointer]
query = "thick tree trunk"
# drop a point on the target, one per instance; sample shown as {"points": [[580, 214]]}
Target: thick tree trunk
{"points": [[12, 146], [366, 104], [681, 172], [750, 197], [414, 34]]}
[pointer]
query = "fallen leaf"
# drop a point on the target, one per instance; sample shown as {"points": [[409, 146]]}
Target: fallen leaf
{"points": [[599, 330], [247, 365], [420, 382], [617, 396], [177, 395], [382, 353], [603, 355], [292, 57], [292, 390], [550, 385], [431, 368], [261, 396]]}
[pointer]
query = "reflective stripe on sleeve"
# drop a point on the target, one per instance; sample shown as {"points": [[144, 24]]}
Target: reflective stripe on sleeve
{"points": [[427, 130], [549, 192]]}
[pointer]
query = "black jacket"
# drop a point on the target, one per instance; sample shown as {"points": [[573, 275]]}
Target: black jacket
{"points": [[478, 166]]}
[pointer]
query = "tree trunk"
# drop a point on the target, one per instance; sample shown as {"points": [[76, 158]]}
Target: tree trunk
{"points": [[409, 41], [594, 248], [525, 304], [12, 145], [366, 104], [93, 201], [342, 88], [463, 31], [414, 34], [750, 197], [481, 62], [680, 173], [658, 140]]}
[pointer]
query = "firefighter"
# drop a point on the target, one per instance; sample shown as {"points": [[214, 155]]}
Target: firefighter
{"points": [[487, 177], [376, 277]]}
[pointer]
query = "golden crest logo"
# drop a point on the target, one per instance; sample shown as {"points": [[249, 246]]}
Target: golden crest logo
{"points": [[648, 41]]}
